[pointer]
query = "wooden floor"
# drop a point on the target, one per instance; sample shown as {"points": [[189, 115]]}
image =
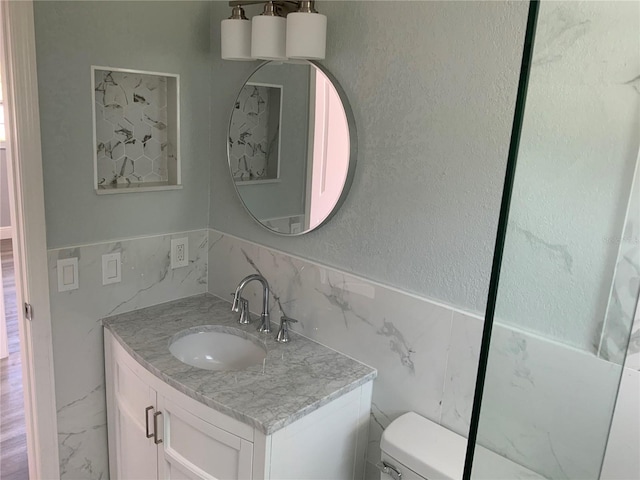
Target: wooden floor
{"points": [[13, 444]]}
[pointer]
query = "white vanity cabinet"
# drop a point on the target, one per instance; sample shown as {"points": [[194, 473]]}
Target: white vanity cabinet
{"points": [[153, 434], [127, 397], [155, 431]]}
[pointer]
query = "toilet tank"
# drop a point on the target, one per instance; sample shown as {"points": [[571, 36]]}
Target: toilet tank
{"points": [[421, 449]]}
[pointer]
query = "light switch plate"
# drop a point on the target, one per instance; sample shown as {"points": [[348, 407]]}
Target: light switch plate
{"points": [[111, 268], [67, 274], [179, 252]]}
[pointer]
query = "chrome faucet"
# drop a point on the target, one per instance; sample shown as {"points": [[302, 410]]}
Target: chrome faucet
{"points": [[265, 324]]}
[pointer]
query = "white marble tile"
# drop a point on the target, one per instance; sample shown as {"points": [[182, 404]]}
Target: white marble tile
{"points": [[615, 343], [371, 471], [147, 279], [489, 466], [462, 370], [403, 336], [522, 418], [82, 434], [633, 353], [622, 460], [379, 421]]}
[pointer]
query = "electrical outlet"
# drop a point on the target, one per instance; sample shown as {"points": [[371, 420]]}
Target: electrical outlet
{"points": [[179, 252]]}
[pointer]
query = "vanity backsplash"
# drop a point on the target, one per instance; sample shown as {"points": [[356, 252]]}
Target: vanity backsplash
{"points": [[422, 366]]}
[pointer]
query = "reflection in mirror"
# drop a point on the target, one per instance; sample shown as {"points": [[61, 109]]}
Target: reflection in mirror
{"points": [[291, 146], [255, 133]]}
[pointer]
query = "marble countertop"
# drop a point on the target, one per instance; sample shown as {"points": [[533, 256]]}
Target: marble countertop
{"points": [[297, 377]]}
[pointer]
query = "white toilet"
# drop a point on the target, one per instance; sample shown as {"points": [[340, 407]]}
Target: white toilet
{"points": [[417, 448], [414, 448]]}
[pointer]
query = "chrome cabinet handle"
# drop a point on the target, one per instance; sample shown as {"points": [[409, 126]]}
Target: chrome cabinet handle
{"points": [[146, 421], [156, 440]]}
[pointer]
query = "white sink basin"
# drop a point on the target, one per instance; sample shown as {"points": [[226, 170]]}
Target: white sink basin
{"points": [[217, 348]]}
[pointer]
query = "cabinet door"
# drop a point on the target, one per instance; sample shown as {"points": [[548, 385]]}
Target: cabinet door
{"points": [[195, 449], [129, 397]]}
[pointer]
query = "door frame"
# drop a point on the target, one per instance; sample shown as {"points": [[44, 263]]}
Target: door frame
{"points": [[24, 153]]}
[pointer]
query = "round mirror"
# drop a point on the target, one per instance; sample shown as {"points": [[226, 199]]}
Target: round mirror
{"points": [[291, 146]]}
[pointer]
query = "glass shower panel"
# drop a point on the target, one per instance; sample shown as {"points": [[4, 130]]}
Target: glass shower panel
{"points": [[571, 264]]}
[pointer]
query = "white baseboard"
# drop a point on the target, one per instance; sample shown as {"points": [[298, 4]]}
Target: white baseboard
{"points": [[6, 232]]}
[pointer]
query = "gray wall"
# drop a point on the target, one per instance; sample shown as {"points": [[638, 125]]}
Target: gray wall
{"points": [[5, 214], [170, 37], [432, 86]]}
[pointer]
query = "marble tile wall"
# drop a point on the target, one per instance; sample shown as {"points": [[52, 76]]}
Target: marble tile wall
{"points": [[522, 418], [405, 337], [622, 461], [130, 128], [633, 355], [615, 343], [147, 279], [254, 133], [523, 366], [426, 354]]}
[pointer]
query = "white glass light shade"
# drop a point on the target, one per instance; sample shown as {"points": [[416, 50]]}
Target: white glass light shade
{"points": [[235, 39], [306, 35], [269, 37]]}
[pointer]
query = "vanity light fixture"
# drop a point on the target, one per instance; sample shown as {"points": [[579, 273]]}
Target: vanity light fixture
{"points": [[306, 33], [271, 36], [236, 36]]}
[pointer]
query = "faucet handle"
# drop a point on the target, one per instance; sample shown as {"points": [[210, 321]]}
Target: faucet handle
{"points": [[283, 332]]}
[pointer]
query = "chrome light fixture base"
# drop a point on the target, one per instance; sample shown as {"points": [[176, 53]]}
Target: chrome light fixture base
{"points": [[285, 29]]}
